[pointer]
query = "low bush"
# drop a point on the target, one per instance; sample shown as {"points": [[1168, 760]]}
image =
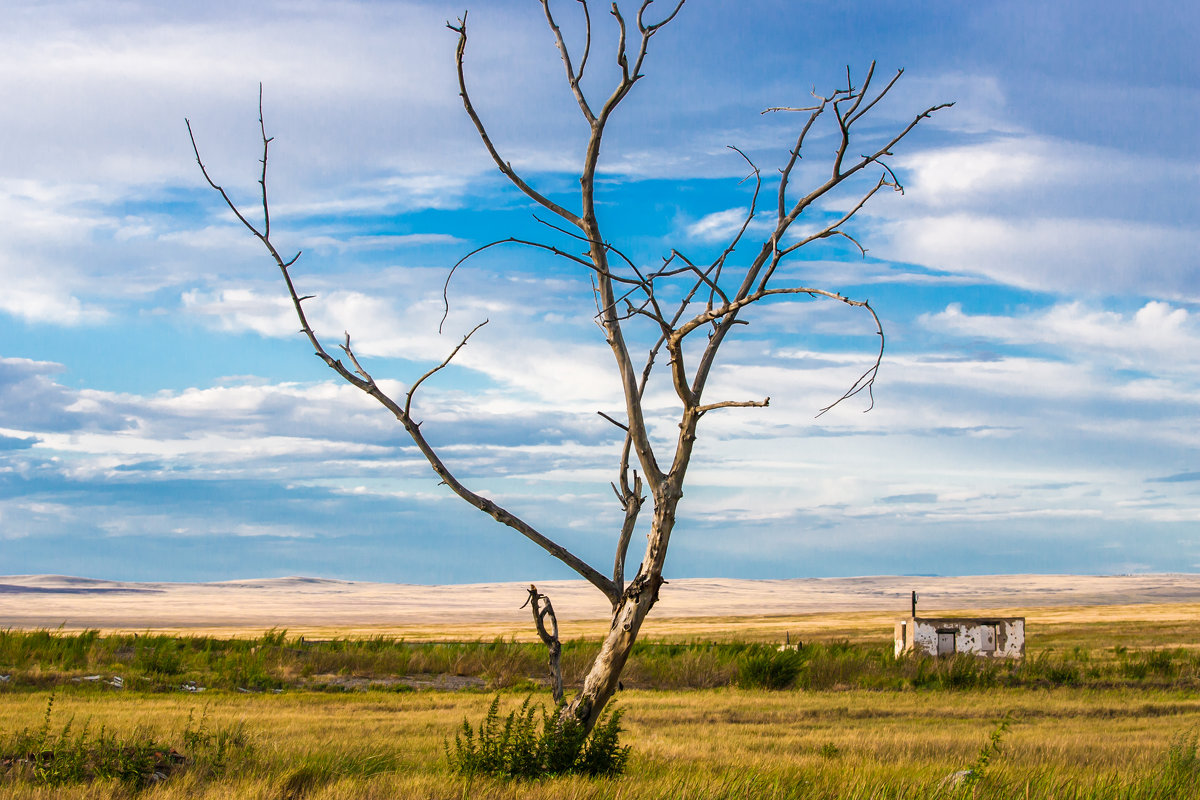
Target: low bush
{"points": [[532, 742], [769, 669]]}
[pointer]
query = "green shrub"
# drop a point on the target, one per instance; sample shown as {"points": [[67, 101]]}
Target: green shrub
{"points": [[274, 637], [1135, 670], [520, 747], [769, 669], [211, 751], [159, 656], [960, 671]]}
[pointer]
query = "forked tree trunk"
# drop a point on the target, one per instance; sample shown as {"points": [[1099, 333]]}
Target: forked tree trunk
{"points": [[639, 597]]}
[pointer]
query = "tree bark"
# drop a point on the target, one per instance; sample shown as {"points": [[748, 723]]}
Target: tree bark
{"points": [[638, 598]]}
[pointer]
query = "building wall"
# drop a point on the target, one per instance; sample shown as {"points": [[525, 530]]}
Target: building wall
{"points": [[1002, 637]]}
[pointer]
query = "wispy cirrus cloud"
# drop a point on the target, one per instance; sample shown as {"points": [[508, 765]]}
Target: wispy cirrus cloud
{"points": [[722, 226]]}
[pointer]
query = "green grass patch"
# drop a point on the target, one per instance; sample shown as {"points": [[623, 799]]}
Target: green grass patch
{"points": [[42, 659]]}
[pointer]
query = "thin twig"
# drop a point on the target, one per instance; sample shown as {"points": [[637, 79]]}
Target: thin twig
{"points": [[408, 397]]}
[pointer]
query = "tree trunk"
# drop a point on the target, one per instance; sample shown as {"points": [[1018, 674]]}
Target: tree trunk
{"points": [[630, 612]]}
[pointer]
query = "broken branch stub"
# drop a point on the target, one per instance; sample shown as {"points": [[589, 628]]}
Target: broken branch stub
{"points": [[543, 610]]}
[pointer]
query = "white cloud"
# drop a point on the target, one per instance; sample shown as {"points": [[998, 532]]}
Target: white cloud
{"points": [[38, 285], [240, 309], [216, 449], [1045, 214], [1041, 175], [719, 226], [38, 301], [949, 176], [981, 104], [355, 242], [1094, 256], [1156, 336]]}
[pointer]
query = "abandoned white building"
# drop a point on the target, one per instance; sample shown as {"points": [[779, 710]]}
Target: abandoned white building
{"points": [[994, 637]]}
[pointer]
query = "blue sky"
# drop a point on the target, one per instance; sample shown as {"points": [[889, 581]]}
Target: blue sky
{"points": [[160, 418]]}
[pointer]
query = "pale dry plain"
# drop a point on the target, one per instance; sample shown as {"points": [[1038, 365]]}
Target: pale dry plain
{"points": [[688, 607]]}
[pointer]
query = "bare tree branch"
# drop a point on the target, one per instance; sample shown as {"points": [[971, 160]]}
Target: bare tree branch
{"points": [[735, 404], [402, 413], [650, 30], [505, 167], [833, 229], [720, 261], [572, 78], [620, 425], [866, 381], [587, 42], [408, 397], [510, 240], [622, 51], [794, 154], [882, 93], [631, 500], [358, 368]]}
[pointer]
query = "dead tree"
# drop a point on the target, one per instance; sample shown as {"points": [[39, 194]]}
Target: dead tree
{"points": [[716, 295]]}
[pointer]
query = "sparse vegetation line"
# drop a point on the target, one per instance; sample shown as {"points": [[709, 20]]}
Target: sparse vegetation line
{"points": [[274, 661]]}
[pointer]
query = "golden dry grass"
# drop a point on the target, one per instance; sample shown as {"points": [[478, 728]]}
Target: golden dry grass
{"points": [[702, 739]]}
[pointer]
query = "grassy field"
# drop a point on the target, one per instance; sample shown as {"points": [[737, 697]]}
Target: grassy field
{"points": [[1109, 713], [702, 744]]}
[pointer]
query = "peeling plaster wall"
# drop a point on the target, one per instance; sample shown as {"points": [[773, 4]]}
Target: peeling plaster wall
{"points": [[1002, 637]]}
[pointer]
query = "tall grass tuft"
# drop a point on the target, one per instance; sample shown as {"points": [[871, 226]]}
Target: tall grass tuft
{"points": [[1183, 756], [990, 750], [320, 768], [766, 668], [48, 758]]}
